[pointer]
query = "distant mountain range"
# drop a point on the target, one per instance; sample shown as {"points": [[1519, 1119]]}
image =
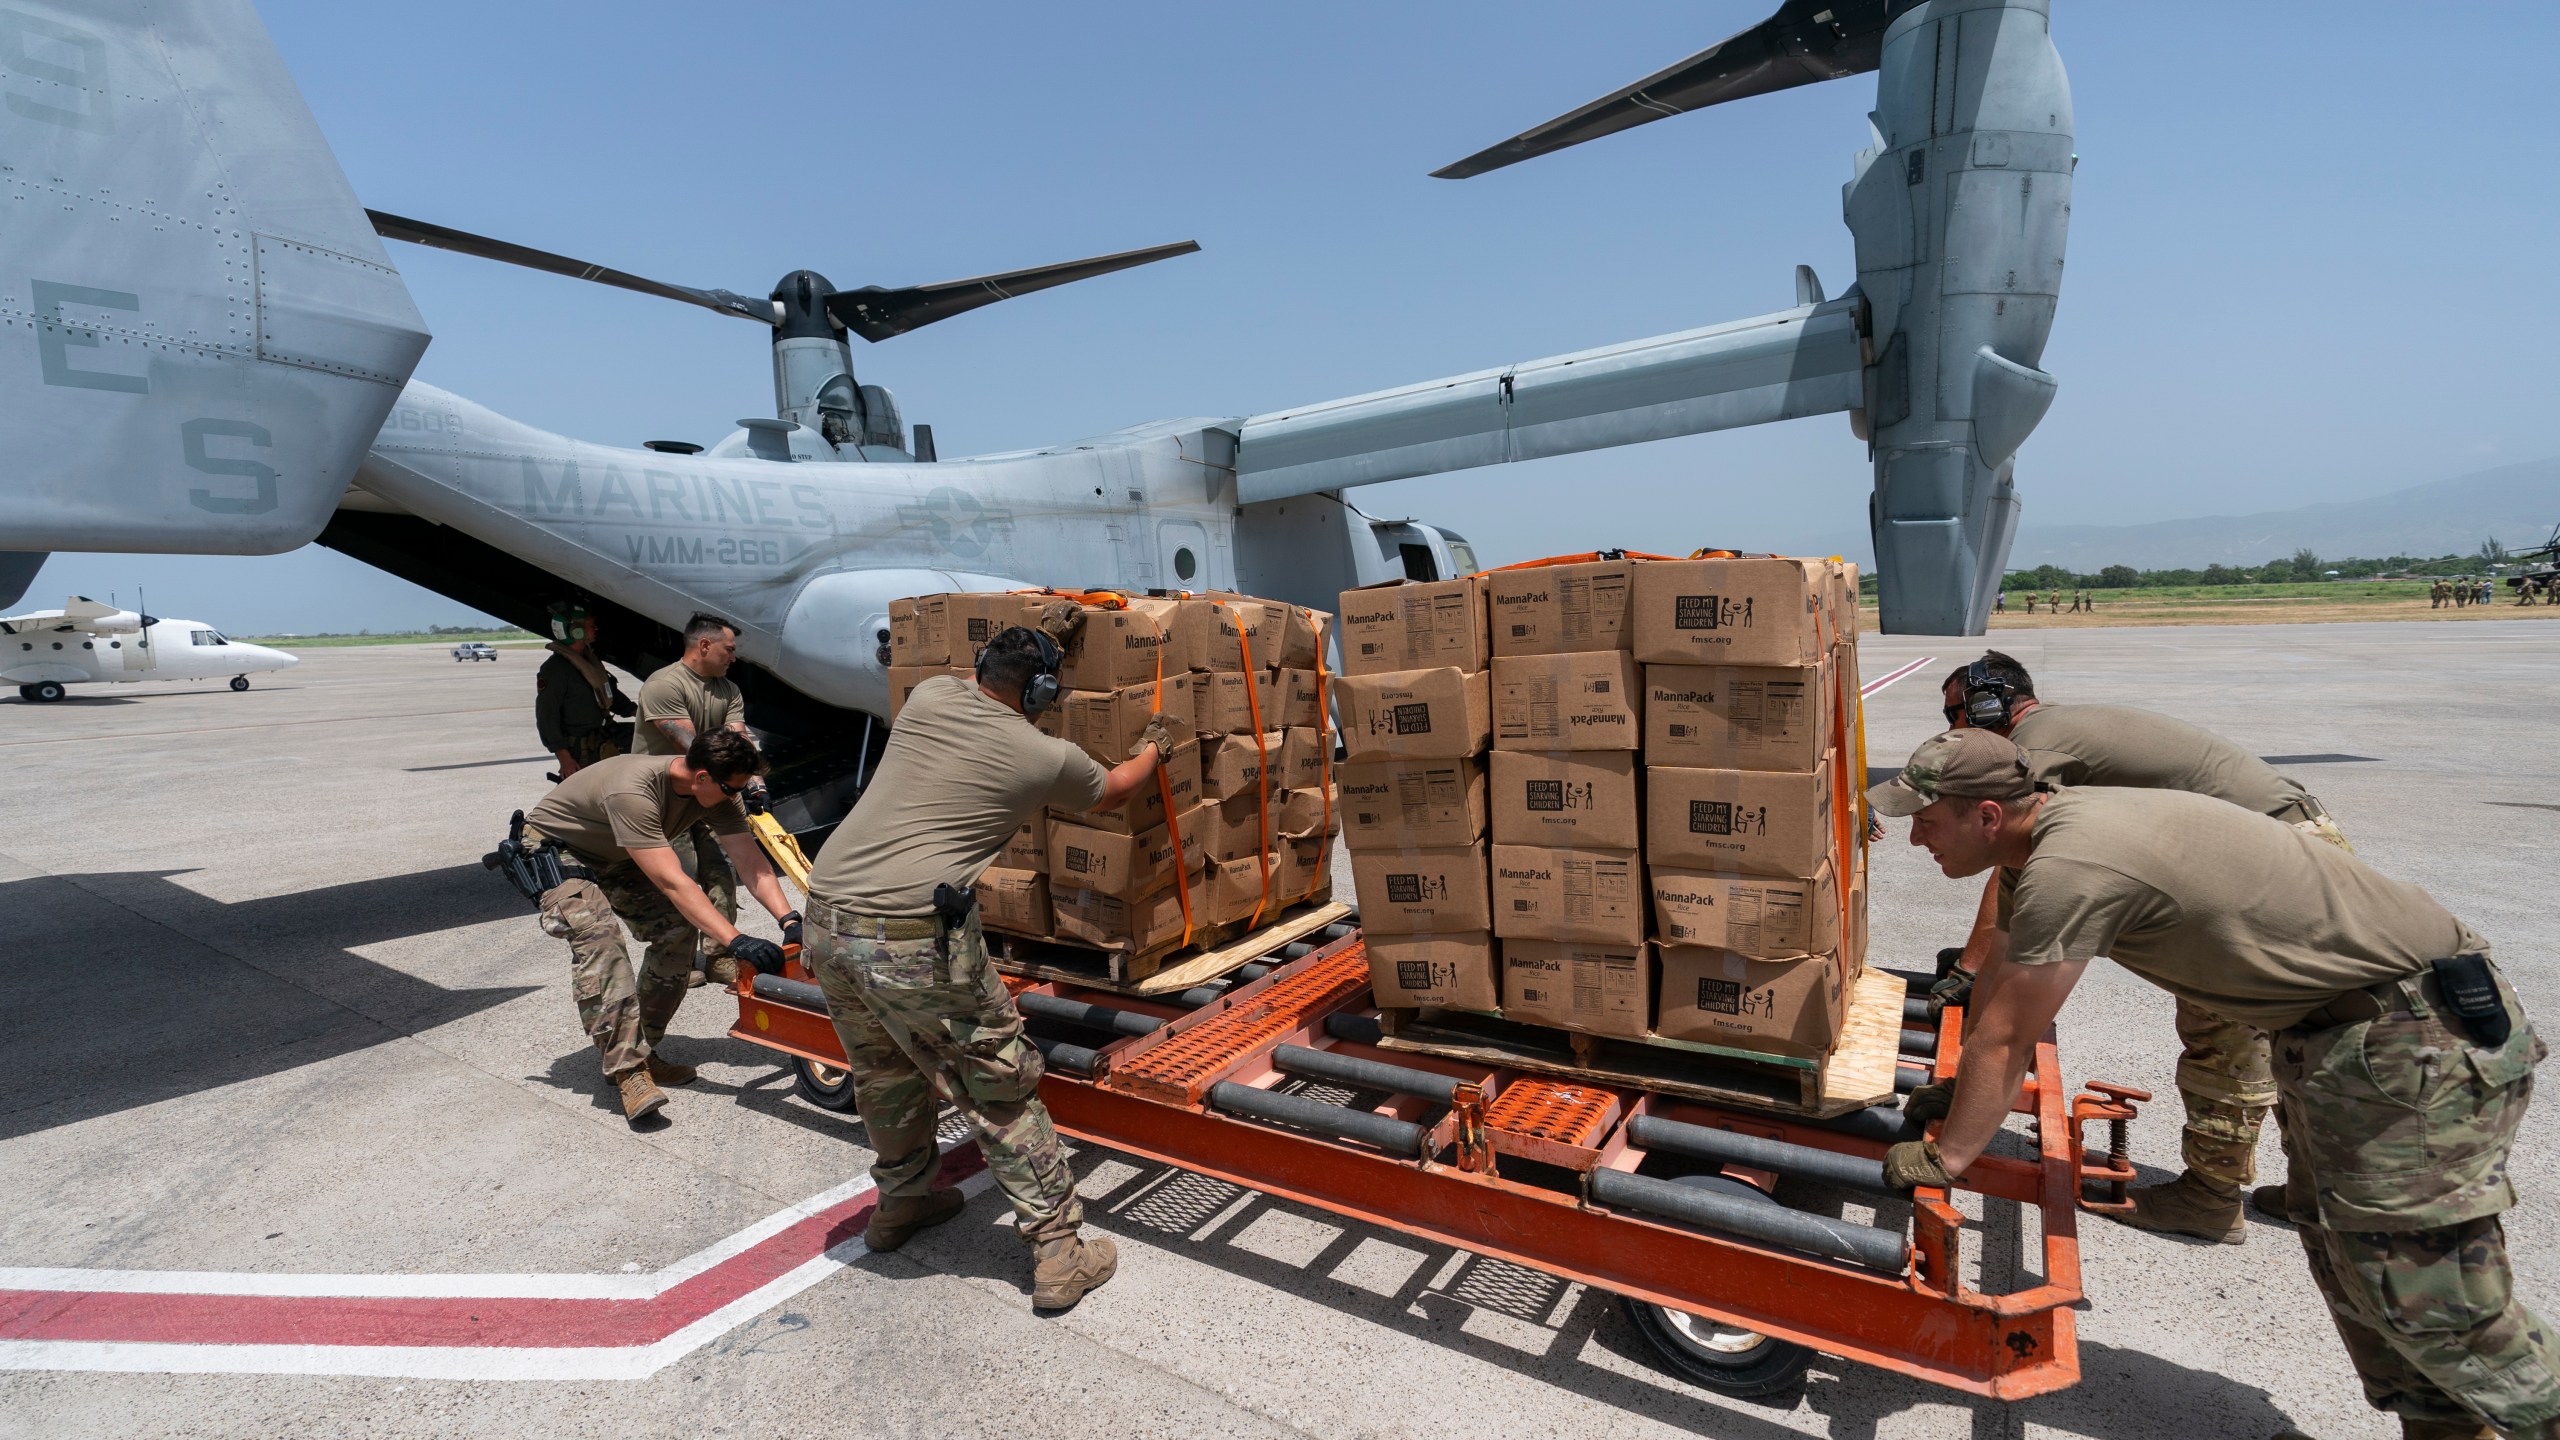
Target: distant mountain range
{"points": [[2518, 504]]}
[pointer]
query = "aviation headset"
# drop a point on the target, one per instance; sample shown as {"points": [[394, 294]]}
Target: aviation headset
{"points": [[1989, 696], [569, 623], [1041, 690]]}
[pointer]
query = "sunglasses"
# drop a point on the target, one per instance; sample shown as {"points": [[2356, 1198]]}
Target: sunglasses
{"points": [[740, 788]]}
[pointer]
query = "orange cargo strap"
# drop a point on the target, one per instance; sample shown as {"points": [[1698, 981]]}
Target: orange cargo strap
{"points": [[1262, 801], [1324, 749], [1172, 822], [1585, 558], [1848, 795]]}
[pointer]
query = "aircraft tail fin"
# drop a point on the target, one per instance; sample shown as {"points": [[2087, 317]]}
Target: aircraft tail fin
{"points": [[209, 333], [18, 571]]}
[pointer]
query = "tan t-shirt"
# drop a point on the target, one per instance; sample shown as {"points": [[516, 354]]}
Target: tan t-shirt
{"points": [[961, 774], [2118, 745], [2240, 913], [626, 803], [676, 693]]}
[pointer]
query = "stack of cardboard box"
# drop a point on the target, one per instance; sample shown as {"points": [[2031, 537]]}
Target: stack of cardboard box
{"points": [[1750, 692], [1668, 851], [1239, 827], [1416, 718], [1569, 900]]}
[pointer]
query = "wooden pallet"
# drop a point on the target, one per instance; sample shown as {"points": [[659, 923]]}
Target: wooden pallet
{"points": [[1167, 968], [1858, 1074]]}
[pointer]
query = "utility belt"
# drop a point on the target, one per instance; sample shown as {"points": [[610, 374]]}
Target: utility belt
{"points": [[951, 907], [538, 868], [2463, 989]]}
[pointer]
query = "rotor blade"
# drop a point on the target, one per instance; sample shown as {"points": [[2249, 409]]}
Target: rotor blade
{"points": [[876, 314], [439, 237], [1805, 42]]}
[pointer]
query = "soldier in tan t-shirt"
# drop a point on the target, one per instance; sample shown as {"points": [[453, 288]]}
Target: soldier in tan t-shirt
{"points": [[620, 819], [2224, 1075], [695, 696], [2398, 1112], [916, 1003]]}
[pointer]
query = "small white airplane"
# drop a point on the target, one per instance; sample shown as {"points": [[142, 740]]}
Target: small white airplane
{"points": [[86, 643]]}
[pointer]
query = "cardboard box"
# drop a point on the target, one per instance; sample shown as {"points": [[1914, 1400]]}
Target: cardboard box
{"points": [[1294, 699], [1567, 702], [1560, 609], [1015, 900], [920, 632], [1572, 799], [1090, 917], [1106, 724], [1757, 915], [1750, 822], [1123, 865], [903, 680], [1307, 814], [974, 619], [1438, 714], [1307, 759], [1411, 625], [1121, 647], [1724, 717], [1028, 847], [1146, 809], [1233, 766], [1234, 888], [1219, 630], [1232, 828], [1730, 612], [1227, 701], [1794, 1006], [1544, 893], [1413, 892], [1306, 870], [1454, 971], [1599, 989], [1419, 804]]}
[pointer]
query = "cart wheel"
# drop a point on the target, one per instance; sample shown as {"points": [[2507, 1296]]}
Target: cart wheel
{"points": [[824, 1086], [1720, 1356], [239, 682]]}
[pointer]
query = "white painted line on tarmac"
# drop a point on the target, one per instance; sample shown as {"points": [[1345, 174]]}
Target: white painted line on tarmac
{"points": [[1872, 686]]}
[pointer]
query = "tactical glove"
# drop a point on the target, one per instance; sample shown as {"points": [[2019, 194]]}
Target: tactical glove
{"points": [[1062, 621], [1954, 989], [1930, 1102], [762, 956], [1158, 736], [791, 928], [1914, 1163]]}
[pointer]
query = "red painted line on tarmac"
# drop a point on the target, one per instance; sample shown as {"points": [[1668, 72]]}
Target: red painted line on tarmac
{"points": [[439, 1322]]}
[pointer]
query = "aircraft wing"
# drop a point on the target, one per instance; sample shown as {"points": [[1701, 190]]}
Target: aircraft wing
{"points": [[204, 333], [1799, 362]]}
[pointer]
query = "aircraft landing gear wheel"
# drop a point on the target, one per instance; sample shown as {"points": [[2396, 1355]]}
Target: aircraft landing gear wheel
{"points": [[239, 682], [1716, 1354], [44, 692], [27, 693], [824, 1086]]}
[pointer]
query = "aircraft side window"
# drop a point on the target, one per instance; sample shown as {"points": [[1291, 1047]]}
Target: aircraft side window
{"points": [[208, 637], [1417, 562]]}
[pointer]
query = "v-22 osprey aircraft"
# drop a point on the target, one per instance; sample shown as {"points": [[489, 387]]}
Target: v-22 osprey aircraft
{"points": [[86, 643], [213, 353]]}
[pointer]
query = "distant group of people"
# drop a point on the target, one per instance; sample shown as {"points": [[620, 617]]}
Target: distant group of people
{"points": [[2082, 602], [2462, 594]]}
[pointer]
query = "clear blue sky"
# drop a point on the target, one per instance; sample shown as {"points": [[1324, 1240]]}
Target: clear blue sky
{"points": [[2310, 252]]}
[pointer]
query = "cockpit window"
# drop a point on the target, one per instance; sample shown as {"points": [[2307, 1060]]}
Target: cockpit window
{"points": [[207, 637], [1464, 555]]}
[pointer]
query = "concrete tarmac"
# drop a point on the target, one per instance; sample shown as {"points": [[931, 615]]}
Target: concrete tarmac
{"points": [[269, 1015]]}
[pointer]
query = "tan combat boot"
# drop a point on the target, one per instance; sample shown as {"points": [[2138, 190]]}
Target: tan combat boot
{"points": [[641, 1097], [668, 1072], [896, 1219], [2185, 1206], [720, 970], [2268, 1200], [1069, 1268]]}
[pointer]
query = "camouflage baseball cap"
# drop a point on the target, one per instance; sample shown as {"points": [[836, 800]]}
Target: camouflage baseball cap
{"points": [[1972, 764]]}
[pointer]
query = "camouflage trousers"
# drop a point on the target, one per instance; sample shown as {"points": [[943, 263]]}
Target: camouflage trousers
{"points": [[2396, 1134], [924, 1020], [591, 747], [698, 851], [2225, 1079], [624, 1014]]}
